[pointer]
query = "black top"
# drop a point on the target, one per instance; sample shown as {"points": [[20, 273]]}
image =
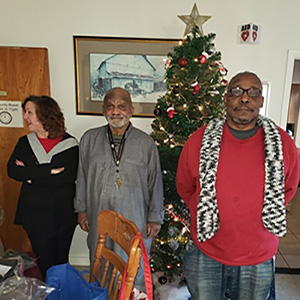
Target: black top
{"points": [[45, 204]]}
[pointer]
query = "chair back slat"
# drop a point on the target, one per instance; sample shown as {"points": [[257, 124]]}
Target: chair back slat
{"points": [[108, 264]]}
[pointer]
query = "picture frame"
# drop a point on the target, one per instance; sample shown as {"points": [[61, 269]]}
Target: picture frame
{"points": [[137, 64]]}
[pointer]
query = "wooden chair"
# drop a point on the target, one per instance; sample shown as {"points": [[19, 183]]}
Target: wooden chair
{"points": [[121, 231]]}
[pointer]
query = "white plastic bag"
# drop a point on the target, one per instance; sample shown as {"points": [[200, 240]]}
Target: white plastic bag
{"points": [[24, 288]]}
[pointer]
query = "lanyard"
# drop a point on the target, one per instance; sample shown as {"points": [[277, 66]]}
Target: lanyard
{"points": [[117, 155]]}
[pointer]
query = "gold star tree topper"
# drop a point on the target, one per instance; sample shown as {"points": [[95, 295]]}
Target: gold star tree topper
{"points": [[194, 19]]}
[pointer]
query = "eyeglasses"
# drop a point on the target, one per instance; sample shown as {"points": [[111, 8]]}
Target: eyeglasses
{"points": [[238, 92]]}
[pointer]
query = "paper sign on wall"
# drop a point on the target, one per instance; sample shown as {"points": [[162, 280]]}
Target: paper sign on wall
{"points": [[249, 34], [11, 114]]}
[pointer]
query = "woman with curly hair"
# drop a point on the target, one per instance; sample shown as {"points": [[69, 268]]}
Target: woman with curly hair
{"points": [[45, 161]]}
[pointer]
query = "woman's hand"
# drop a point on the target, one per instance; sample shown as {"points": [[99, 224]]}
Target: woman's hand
{"points": [[19, 163], [57, 170]]}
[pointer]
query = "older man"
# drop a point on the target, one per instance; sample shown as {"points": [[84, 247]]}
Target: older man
{"points": [[236, 175], [119, 170]]}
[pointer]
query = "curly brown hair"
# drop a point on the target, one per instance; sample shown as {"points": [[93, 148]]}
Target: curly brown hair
{"points": [[49, 114]]}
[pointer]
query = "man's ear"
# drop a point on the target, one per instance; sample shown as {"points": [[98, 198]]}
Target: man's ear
{"points": [[262, 102], [225, 98]]}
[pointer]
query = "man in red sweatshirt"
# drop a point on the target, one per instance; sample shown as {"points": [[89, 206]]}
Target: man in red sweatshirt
{"points": [[236, 174]]}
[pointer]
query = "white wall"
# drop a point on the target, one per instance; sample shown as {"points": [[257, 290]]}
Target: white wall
{"points": [[52, 24]]}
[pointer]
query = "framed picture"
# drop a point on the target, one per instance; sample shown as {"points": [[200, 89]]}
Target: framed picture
{"points": [[136, 64]]}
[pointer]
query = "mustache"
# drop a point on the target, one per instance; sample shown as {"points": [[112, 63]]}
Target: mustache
{"points": [[243, 107], [116, 116]]}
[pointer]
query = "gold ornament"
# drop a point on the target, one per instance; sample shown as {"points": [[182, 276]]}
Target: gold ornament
{"points": [[194, 19]]}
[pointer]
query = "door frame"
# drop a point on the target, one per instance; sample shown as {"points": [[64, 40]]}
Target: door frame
{"points": [[293, 55]]}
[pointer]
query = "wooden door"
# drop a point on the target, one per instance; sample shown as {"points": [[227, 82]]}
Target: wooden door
{"points": [[23, 72]]}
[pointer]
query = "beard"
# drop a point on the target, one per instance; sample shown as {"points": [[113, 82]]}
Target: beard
{"points": [[240, 121], [245, 120], [117, 121]]}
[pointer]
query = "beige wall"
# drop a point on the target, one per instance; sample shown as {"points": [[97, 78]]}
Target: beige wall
{"points": [[51, 24]]}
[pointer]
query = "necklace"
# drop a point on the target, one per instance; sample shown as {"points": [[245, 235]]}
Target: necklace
{"points": [[117, 154]]}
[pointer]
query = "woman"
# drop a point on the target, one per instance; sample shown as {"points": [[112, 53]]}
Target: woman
{"points": [[46, 160]]}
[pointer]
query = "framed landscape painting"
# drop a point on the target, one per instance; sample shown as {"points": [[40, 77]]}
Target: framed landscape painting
{"points": [[136, 64]]}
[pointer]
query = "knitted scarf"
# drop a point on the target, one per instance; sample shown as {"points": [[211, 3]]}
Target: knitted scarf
{"points": [[273, 213]]}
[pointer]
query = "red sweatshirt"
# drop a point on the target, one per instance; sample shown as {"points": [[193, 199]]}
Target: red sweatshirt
{"points": [[242, 238]]}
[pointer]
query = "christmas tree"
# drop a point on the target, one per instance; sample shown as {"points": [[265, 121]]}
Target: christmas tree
{"points": [[195, 87]]}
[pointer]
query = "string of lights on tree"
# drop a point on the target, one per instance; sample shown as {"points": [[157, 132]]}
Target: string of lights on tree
{"points": [[195, 86]]}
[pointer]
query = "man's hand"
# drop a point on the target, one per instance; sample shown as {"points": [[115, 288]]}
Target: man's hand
{"points": [[83, 221], [153, 229]]}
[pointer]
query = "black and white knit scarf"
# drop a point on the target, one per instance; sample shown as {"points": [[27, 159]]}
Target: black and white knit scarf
{"points": [[273, 213]]}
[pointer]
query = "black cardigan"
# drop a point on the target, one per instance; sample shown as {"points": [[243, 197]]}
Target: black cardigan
{"points": [[45, 204]]}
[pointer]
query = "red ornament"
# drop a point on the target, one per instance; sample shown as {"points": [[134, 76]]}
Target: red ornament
{"points": [[171, 112], [224, 82], [168, 63], [196, 89], [203, 58], [182, 62], [222, 69]]}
